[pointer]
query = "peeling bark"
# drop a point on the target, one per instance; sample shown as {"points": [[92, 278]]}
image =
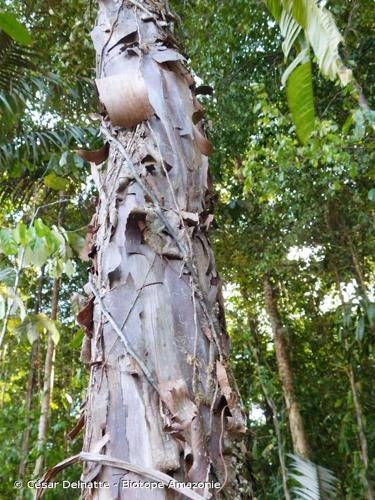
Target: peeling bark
{"points": [[296, 424], [161, 394]]}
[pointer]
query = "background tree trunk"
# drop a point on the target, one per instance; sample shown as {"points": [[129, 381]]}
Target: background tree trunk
{"points": [[356, 401], [30, 389], [296, 424], [160, 395], [254, 349], [48, 383]]}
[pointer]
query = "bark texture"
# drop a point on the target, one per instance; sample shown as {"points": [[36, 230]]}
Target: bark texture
{"points": [[161, 394], [297, 428]]}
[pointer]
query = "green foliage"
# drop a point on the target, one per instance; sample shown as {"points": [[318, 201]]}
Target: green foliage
{"points": [[36, 324], [305, 24], [13, 28]]}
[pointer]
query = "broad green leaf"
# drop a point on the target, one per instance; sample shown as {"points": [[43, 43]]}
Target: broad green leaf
{"points": [[32, 332], [20, 233], [41, 229], [360, 330], [51, 328], [8, 276], [18, 307], [301, 100], [14, 28], [300, 12], [76, 341], [371, 194], [371, 313], [8, 245], [56, 182], [303, 56], [76, 241], [37, 252]]}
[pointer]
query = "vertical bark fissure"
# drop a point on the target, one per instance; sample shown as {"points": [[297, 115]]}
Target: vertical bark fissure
{"points": [[47, 384], [160, 386], [296, 424]]}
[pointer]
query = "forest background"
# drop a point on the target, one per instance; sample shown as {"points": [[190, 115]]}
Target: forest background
{"points": [[294, 185]]}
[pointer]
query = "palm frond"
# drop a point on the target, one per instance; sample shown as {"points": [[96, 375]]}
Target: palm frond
{"points": [[39, 144], [304, 24], [324, 37], [15, 60], [314, 481]]}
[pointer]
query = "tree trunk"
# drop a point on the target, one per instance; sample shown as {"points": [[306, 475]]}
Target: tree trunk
{"points": [[297, 428], [357, 405], [254, 349], [361, 433], [160, 395], [30, 389], [48, 384]]}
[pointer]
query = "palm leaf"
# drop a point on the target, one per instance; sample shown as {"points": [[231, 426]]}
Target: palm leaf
{"points": [[15, 60], [300, 94], [290, 30], [314, 481], [324, 37], [39, 144], [304, 24]]}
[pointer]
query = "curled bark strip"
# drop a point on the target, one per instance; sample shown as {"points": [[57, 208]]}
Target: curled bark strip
{"points": [[204, 90], [204, 146], [235, 423], [97, 157], [163, 56], [176, 397], [125, 98], [77, 428], [85, 317], [152, 474]]}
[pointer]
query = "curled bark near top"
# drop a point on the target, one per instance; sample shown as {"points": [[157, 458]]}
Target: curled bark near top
{"points": [[160, 387]]}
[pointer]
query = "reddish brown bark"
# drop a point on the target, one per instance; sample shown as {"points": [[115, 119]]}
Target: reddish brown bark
{"points": [[296, 424], [161, 395]]}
